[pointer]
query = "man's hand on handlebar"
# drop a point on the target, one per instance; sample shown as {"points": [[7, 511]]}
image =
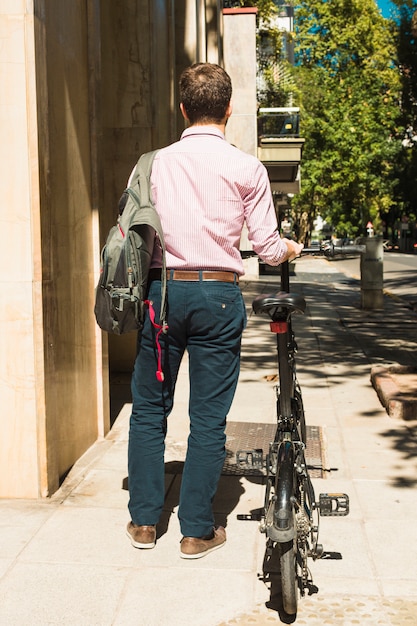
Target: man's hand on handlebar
{"points": [[294, 249]]}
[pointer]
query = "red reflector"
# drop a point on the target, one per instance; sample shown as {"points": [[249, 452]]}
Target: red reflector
{"points": [[279, 327]]}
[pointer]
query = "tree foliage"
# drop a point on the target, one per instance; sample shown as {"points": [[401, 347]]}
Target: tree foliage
{"points": [[355, 79], [275, 84], [406, 42], [346, 72]]}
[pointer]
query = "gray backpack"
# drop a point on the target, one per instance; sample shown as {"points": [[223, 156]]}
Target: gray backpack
{"points": [[126, 256]]}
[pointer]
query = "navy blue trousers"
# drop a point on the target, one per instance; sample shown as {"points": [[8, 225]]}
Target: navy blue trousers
{"points": [[207, 319]]}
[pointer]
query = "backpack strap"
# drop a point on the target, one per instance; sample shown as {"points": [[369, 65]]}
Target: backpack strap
{"points": [[142, 174]]}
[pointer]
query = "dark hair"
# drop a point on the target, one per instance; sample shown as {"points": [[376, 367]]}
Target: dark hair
{"points": [[205, 92]]}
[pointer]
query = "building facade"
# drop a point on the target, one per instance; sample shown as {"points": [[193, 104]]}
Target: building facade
{"points": [[87, 86]]}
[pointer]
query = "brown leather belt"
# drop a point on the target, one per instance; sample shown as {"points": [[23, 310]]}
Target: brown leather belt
{"points": [[196, 275]]}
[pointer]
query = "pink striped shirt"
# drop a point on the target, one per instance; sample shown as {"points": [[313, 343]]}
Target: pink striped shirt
{"points": [[204, 190]]}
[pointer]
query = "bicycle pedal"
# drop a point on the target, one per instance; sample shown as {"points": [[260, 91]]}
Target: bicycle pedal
{"points": [[250, 459], [333, 504], [254, 516]]}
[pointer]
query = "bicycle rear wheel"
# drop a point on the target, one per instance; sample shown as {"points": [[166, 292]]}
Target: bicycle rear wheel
{"points": [[289, 581], [285, 490]]}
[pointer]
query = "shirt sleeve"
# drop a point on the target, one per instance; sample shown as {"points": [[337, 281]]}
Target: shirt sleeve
{"points": [[261, 219]]}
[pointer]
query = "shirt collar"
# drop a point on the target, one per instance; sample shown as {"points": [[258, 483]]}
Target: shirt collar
{"points": [[198, 131]]}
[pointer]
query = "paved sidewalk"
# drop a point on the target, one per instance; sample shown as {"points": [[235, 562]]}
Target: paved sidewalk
{"points": [[67, 561]]}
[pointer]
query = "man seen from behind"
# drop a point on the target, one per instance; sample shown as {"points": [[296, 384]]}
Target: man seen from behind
{"points": [[204, 190]]}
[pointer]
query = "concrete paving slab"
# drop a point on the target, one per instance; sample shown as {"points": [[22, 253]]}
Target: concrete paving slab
{"points": [[83, 535], [120, 429], [331, 584], [114, 459], [202, 599], [394, 560], [383, 500], [100, 487], [19, 522], [61, 593], [347, 537], [5, 564], [239, 495]]}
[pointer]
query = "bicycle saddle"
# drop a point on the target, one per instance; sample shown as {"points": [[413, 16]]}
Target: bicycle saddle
{"points": [[276, 304]]}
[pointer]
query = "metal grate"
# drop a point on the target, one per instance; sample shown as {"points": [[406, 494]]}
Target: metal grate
{"points": [[249, 436]]}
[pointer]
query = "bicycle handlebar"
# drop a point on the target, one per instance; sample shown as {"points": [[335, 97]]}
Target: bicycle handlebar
{"points": [[313, 251], [335, 250]]}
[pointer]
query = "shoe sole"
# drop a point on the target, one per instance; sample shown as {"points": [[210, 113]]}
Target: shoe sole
{"points": [[199, 555], [141, 546]]}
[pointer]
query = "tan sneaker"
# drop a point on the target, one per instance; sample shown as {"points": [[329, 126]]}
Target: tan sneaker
{"points": [[196, 547], [143, 537]]}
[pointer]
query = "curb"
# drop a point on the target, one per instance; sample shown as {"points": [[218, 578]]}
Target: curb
{"points": [[396, 388]]}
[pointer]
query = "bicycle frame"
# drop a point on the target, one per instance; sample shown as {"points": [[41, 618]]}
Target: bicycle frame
{"points": [[291, 514], [289, 511]]}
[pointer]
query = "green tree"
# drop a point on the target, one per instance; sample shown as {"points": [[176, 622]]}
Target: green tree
{"points": [[406, 41], [346, 72]]}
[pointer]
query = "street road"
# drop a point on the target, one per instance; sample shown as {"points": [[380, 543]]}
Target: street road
{"points": [[400, 273]]}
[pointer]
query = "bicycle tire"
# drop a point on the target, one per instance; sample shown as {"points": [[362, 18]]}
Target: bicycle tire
{"points": [[289, 581], [285, 489]]}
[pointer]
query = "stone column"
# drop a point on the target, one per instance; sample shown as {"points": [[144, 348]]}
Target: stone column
{"points": [[239, 45], [48, 357], [372, 280], [239, 49]]}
